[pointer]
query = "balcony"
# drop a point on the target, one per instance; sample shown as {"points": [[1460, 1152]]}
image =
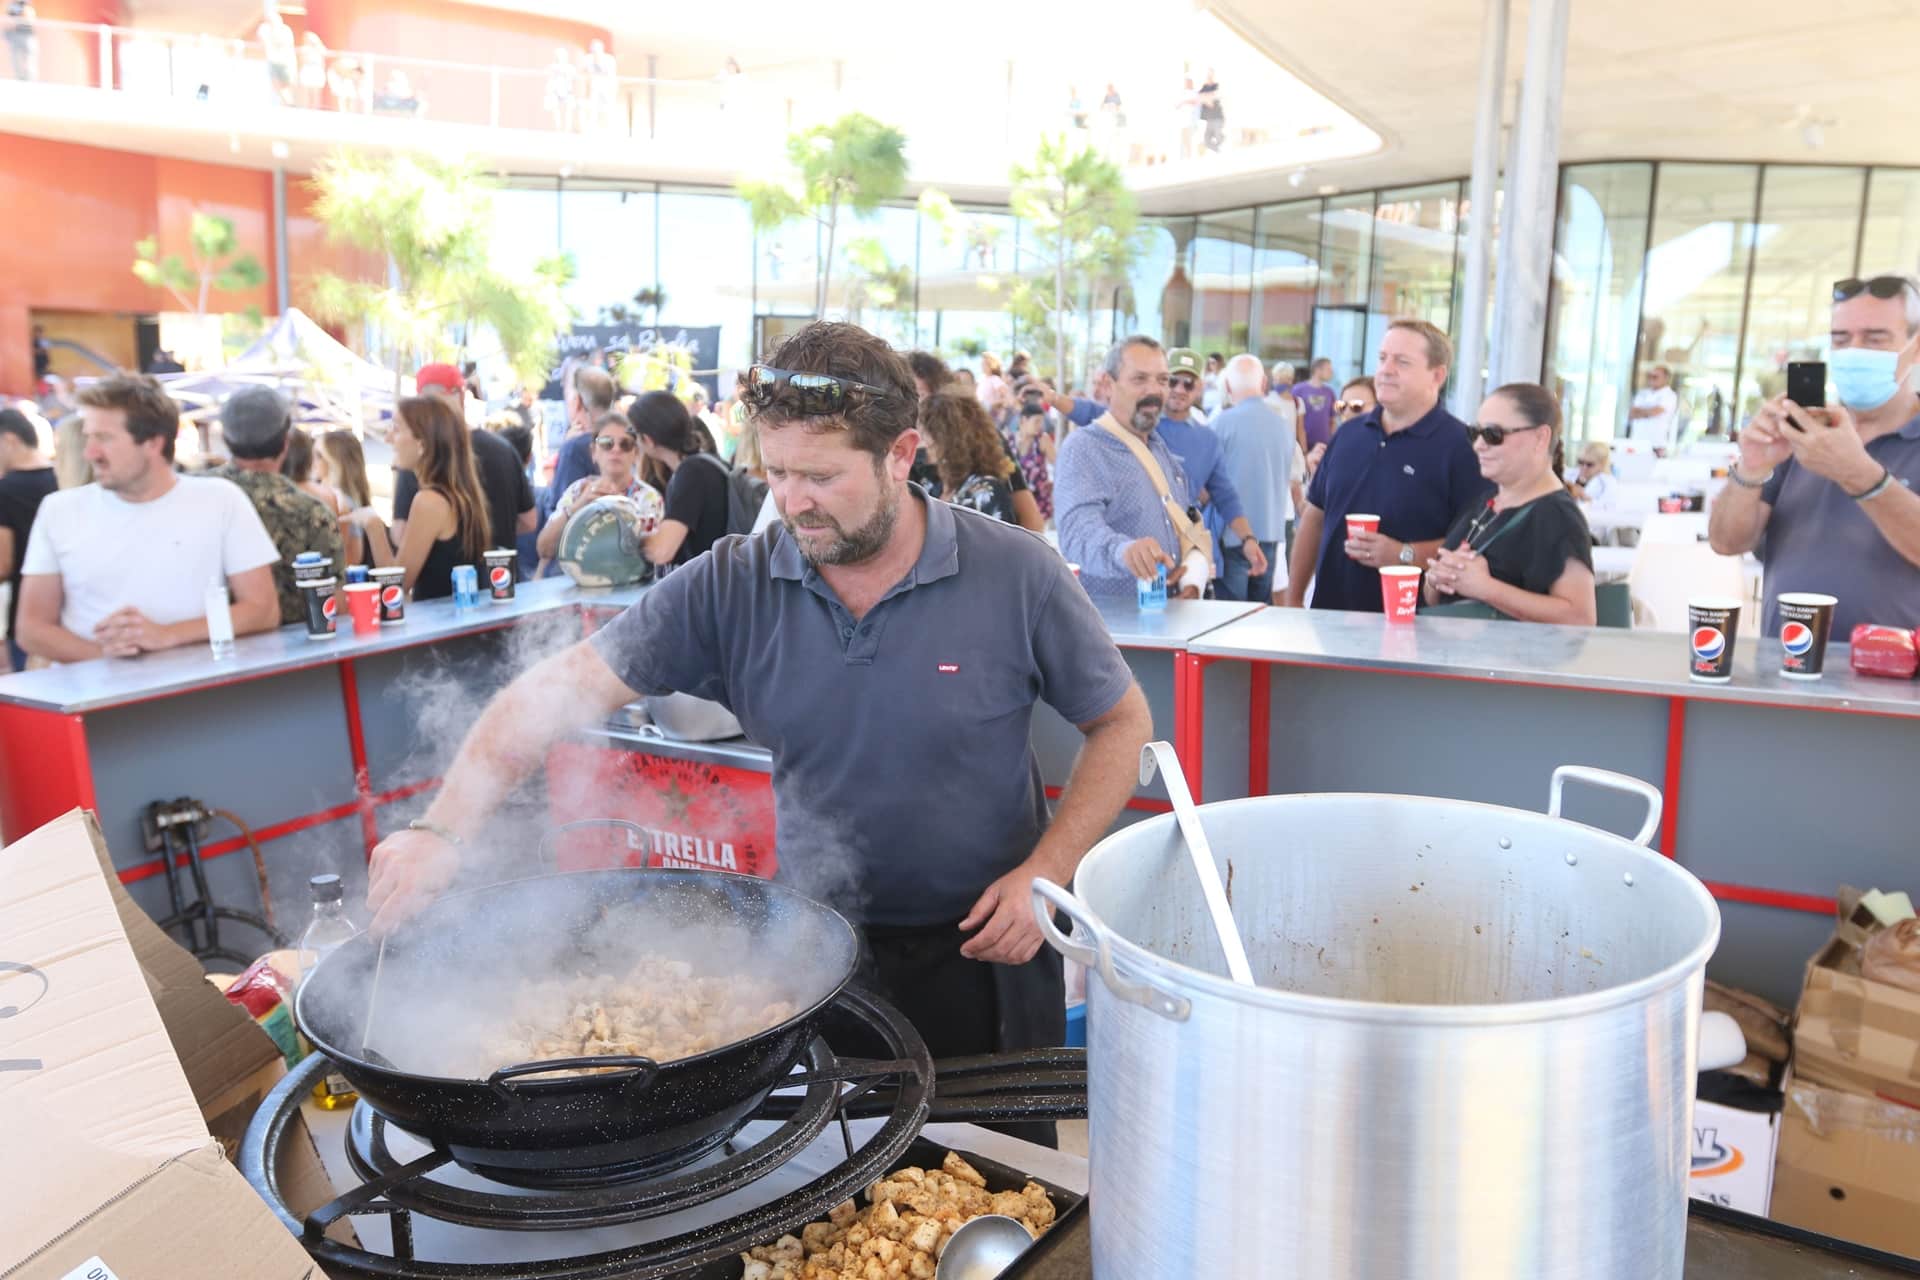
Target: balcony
{"points": [[222, 100]]}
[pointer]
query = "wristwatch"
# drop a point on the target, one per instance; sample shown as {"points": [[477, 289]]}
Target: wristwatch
{"points": [[1406, 553]]}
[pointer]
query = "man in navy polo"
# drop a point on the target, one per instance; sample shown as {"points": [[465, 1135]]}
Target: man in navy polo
{"points": [[1408, 462], [888, 649]]}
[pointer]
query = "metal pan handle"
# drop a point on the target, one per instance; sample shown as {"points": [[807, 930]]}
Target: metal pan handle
{"points": [[644, 1071], [1099, 957], [1608, 780]]}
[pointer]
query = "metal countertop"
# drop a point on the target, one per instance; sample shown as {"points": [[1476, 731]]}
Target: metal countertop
{"points": [[1604, 659], [107, 682]]}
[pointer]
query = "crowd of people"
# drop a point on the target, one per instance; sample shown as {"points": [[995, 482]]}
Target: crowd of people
{"points": [[1230, 478]]}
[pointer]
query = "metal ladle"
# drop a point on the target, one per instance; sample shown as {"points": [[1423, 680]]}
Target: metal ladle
{"points": [[983, 1247], [1161, 754]]}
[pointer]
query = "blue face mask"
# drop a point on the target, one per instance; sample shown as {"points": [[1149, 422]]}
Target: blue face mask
{"points": [[1865, 379]]}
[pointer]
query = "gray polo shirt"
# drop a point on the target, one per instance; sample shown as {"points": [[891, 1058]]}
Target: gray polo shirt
{"points": [[1819, 539], [903, 779]]}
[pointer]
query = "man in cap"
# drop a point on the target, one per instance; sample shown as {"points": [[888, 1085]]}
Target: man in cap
{"points": [[255, 422], [510, 509], [1194, 442]]}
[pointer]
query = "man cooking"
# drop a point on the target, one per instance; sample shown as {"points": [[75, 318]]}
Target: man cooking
{"points": [[889, 651]]}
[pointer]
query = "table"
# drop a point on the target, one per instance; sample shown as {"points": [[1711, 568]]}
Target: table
{"points": [[1776, 790]]}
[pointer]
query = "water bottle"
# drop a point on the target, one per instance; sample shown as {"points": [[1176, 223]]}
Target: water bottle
{"points": [[1153, 595], [466, 587], [329, 928], [219, 620]]}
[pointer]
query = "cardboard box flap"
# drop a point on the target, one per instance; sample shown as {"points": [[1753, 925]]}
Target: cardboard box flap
{"points": [[217, 1044], [141, 1235], [87, 1052], [1856, 1033]]}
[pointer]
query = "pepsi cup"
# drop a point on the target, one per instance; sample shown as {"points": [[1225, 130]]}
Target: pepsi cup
{"points": [[393, 594], [309, 565], [500, 573], [316, 594], [1806, 619], [1713, 624]]}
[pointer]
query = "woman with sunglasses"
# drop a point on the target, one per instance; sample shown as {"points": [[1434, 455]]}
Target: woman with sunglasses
{"points": [[616, 453], [1526, 553]]}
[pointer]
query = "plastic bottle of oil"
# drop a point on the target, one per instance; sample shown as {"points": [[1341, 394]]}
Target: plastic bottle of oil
{"points": [[329, 928]]}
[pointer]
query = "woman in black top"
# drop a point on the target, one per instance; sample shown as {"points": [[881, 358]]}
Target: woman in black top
{"points": [[696, 515], [967, 450], [448, 524], [1526, 552]]}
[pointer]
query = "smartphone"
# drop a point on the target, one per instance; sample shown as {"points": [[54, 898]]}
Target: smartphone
{"points": [[1807, 383]]}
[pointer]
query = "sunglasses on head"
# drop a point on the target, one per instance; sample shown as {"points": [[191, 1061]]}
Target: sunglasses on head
{"points": [[1880, 287], [812, 395], [1497, 435], [624, 444]]}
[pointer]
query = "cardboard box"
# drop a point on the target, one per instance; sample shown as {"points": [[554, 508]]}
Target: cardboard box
{"points": [[1851, 1033], [113, 1043], [1849, 1166], [1733, 1153]]}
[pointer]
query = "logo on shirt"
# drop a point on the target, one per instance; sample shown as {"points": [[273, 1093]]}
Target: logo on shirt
{"points": [[1796, 638], [1408, 468], [1708, 643], [948, 668]]}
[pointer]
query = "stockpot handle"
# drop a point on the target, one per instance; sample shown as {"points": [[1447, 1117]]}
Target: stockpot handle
{"points": [[553, 834], [1608, 780], [1099, 956], [644, 1071]]}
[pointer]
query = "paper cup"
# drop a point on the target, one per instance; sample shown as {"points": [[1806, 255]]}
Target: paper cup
{"points": [[1713, 624], [316, 596], [363, 606], [500, 573], [1359, 524], [1806, 620], [393, 594], [1399, 591]]}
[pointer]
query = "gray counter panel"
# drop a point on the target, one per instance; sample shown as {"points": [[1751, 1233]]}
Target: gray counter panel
{"points": [[1765, 950], [1799, 802], [1056, 743], [417, 704]]}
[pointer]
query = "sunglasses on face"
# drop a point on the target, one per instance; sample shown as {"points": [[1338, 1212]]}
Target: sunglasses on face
{"points": [[1880, 287], [1497, 436], [1183, 382], [812, 395], [620, 444]]}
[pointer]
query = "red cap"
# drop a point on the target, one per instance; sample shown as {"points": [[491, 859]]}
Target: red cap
{"points": [[444, 376]]}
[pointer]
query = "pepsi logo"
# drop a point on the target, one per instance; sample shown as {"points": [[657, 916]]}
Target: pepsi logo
{"points": [[1796, 638], [499, 576], [1708, 643], [391, 596], [327, 608]]}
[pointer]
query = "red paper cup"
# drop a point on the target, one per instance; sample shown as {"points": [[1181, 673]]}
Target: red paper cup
{"points": [[363, 604], [1399, 591], [1359, 524]]}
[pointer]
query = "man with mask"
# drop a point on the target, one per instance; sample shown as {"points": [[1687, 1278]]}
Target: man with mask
{"points": [[1825, 496], [1113, 521], [863, 599]]}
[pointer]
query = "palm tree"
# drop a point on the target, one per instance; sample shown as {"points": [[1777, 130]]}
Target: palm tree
{"points": [[1082, 216]]}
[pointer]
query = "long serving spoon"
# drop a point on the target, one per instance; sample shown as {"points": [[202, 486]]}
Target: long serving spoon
{"points": [[373, 998], [1175, 779]]}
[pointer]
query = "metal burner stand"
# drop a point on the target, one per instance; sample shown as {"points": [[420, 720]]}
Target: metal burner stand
{"points": [[834, 1090]]}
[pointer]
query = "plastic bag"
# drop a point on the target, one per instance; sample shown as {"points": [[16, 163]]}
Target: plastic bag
{"points": [[1892, 956]]}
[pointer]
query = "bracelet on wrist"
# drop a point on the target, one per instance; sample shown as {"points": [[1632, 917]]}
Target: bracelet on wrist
{"points": [[1879, 487], [435, 829], [1733, 474]]}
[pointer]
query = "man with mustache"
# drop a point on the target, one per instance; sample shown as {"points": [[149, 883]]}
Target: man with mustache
{"points": [[888, 650], [1113, 522]]}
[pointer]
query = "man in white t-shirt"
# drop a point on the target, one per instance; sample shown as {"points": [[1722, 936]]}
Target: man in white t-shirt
{"points": [[1655, 407], [121, 567]]}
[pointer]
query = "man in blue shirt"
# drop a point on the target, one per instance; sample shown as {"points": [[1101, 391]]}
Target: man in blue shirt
{"points": [[1082, 410], [1408, 462], [1198, 449]]}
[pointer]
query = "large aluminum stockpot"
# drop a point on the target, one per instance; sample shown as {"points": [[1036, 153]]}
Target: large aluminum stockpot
{"points": [[1470, 1054]]}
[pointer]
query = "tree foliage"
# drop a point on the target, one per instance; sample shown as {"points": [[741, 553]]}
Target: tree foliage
{"points": [[855, 165], [433, 223], [1084, 223], [213, 262]]}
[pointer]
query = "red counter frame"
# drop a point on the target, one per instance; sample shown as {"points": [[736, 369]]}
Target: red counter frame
{"points": [[1190, 712]]}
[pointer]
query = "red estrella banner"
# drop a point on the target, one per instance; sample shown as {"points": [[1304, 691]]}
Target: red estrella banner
{"points": [[691, 814]]}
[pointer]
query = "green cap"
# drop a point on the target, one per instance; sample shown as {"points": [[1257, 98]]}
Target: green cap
{"points": [[1185, 360]]}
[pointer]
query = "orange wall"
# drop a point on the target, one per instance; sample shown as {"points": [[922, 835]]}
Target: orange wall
{"points": [[90, 205]]}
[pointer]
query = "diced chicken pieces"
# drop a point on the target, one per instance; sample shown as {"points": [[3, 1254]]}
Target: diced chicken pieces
{"points": [[960, 1169], [787, 1249], [843, 1213], [754, 1269], [924, 1236]]}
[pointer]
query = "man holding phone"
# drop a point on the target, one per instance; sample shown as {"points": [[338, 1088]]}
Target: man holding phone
{"points": [[1824, 494]]}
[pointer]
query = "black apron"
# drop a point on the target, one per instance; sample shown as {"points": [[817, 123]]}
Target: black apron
{"points": [[963, 1007]]}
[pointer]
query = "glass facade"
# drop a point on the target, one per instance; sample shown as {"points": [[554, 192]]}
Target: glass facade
{"points": [[1722, 272]]}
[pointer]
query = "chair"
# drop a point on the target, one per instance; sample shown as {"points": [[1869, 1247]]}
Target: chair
{"points": [[1665, 576], [1613, 605]]}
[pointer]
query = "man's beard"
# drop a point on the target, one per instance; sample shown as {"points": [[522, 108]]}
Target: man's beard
{"points": [[848, 548], [1146, 414]]}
